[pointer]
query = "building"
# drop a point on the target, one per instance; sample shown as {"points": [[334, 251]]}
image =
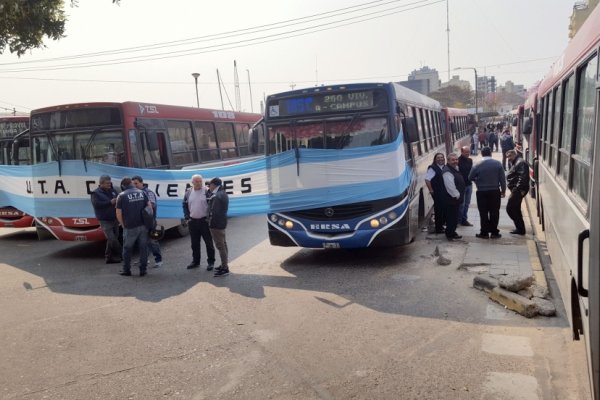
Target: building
{"points": [[429, 74], [418, 85], [456, 81], [581, 10]]}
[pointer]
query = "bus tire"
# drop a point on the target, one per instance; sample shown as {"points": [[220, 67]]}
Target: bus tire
{"points": [[182, 230]]}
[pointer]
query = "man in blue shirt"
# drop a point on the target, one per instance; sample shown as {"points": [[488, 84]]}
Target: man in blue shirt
{"points": [[489, 177], [104, 199], [130, 204], [153, 245]]}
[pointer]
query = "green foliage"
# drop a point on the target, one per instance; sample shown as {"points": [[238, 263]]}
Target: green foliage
{"points": [[25, 23], [454, 96]]}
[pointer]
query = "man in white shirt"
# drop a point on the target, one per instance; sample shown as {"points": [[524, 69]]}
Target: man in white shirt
{"points": [[195, 211]]}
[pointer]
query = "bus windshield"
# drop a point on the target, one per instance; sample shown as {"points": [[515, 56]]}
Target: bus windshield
{"points": [[329, 134], [103, 147]]}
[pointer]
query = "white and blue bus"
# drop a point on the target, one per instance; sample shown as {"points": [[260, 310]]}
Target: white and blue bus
{"points": [[348, 164]]}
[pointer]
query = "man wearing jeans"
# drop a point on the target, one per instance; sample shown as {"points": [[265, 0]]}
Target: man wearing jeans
{"points": [[130, 204], [104, 199]]}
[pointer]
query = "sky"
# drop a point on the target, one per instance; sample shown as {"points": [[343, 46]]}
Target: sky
{"points": [[147, 50]]}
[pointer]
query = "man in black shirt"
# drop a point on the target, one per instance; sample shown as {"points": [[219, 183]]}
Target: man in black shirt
{"points": [[518, 183]]}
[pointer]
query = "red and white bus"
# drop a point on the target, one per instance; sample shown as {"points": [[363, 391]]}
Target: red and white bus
{"points": [[140, 135], [560, 137], [10, 127]]}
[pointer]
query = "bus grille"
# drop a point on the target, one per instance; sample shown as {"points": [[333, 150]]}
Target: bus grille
{"points": [[339, 212]]}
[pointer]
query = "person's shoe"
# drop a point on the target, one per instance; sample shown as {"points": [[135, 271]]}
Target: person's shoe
{"points": [[482, 235], [157, 264], [113, 261], [192, 266], [455, 237], [210, 267], [466, 223], [125, 273], [221, 272], [516, 232], [495, 236], [143, 273], [439, 231]]}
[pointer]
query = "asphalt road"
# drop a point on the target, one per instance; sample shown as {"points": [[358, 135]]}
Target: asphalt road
{"points": [[286, 324]]}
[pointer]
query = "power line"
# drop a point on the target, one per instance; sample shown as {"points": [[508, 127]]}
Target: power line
{"points": [[234, 44], [392, 76]]}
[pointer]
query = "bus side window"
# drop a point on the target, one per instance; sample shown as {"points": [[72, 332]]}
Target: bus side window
{"points": [[207, 143], [155, 149]]}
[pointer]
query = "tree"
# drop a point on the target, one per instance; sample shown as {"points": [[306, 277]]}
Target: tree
{"points": [[454, 96], [25, 23]]}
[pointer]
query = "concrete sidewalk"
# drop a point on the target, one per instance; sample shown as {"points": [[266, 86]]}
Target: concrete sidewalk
{"points": [[508, 255]]}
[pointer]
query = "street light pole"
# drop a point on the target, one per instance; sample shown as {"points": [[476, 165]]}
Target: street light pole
{"points": [[196, 75]]}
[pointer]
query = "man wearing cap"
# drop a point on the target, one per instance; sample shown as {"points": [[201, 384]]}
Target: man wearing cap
{"points": [[104, 199], [218, 204], [195, 211]]}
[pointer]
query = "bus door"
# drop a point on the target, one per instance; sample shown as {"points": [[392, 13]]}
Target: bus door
{"points": [[593, 264]]}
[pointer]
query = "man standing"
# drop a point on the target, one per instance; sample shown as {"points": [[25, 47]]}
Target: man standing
{"points": [[506, 143], [195, 211], [465, 164], [104, 199], [454, 187], [217, 220], [518, 183], [153, 245], [493, 140], [489, 177], [130, 204], [435, 184]]}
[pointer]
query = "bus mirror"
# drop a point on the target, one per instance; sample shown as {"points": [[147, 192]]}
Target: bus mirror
{"points": [[256, 132], [410, 126], [152, 140], [527, 126], [515, 121]]}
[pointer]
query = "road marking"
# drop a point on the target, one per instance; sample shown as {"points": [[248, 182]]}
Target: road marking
{"points": [[506, 345]]}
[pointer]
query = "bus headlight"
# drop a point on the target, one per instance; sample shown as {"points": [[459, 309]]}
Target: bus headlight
{"points": [[374, 223], [383, 220], [393, 215], [281, 222], [273, 218], [289, 224]]}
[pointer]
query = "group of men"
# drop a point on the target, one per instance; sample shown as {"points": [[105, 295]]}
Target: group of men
{"points": [[134, 208], [488, 137], [450, 183]]}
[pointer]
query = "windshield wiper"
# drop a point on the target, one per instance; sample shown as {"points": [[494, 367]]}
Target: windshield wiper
{"points": [[346, 132]]}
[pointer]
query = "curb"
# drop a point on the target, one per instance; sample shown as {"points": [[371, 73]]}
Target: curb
{"points": [[532, 247]]}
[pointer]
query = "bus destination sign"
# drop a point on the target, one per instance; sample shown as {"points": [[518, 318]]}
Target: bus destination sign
{"points": [[323, 103], [10, 129]]}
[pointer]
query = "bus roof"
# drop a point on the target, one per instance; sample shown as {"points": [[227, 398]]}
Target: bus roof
{"points": [[153, 110], [585, 41]]}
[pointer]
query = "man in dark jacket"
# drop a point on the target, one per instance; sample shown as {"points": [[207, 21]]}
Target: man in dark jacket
{"points": [[435, 184], [218, 204], [465, 164], [104, 199], [506, 143], [454, 190], [518, 183], [130, 204]]}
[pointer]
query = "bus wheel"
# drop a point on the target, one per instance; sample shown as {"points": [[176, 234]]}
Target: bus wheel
{"points": [[182, 230]]}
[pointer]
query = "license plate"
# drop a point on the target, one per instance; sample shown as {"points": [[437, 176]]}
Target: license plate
{"points": [[330, 245]]}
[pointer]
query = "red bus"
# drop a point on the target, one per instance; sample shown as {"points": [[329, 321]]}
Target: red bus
{"points": [[560, 135], [140, 135], [10, 127]]}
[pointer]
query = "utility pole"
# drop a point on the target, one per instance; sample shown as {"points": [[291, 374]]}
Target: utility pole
{"points": [[250, 87], [236, 84], [220, 93], [196, 75], [448, 34]]}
